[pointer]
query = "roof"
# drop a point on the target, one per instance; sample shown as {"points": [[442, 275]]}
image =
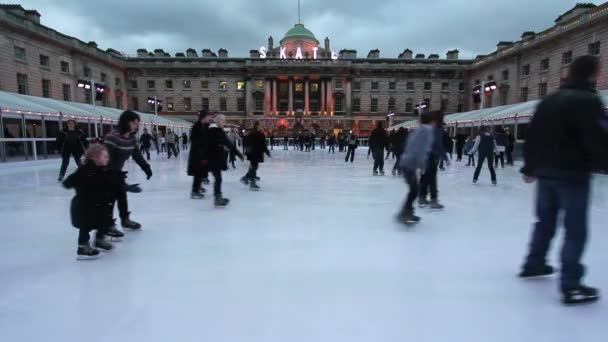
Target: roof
{"points": [[299, 31], [33, 105]]}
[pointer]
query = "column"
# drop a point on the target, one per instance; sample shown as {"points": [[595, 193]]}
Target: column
{"points": [[275, 106], [290, 96], [322, 104], [349, 97], [330, 97], [267, 98], [306, 97], [248, 89]]}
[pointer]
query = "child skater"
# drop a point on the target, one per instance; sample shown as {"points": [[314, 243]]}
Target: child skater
{"points": [[97, 186]]}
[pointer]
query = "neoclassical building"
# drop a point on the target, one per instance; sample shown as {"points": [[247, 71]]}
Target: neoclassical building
{"points": [[298, 82]]}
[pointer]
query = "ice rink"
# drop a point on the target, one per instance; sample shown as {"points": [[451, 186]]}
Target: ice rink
{"points": [[315, 256]]}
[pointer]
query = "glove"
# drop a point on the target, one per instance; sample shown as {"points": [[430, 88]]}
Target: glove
{"points": [[148, 172], [134, 188]]}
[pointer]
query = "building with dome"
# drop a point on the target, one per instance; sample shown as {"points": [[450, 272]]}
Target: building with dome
{"points": [[299, 81]]}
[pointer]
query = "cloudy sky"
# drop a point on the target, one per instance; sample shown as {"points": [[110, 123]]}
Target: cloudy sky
{"points": [[425, 26]]}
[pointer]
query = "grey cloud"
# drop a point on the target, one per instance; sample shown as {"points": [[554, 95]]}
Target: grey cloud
{"points": [[425, 26]]}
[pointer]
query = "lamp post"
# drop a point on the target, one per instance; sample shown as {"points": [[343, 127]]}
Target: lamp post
{"points": [[420, 107], [479, 93], [156, 103]]}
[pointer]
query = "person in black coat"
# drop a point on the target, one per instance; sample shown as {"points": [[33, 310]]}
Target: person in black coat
{"points": [[510, 146], [285, 143], [146, 143], [217, 143], [353, 143], [184, 141], [72, 142], [331, 144], [97, 187], [448, 146], [485, 145], [197, 161], [398, 146], [566, 141], [461, 140], [255, 148], [378, 141]]}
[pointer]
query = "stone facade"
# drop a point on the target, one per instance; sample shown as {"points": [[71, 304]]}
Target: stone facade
{"points": [[345, 93]]}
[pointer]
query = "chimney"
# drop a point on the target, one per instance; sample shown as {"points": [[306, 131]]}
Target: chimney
{"points": [[223, 53], [15, 9], [33, 15], [528, 35], [270, 43], [374, 54], [420, 56], [254, 54], [434, 56], [150, 54], [191, 53], [503, 45], [347, 54], [167, 54], [327, 46], [406, 54], [92, 44], [114, 53], [452, 54], [207, 53], [180, 55], [159, 53]]}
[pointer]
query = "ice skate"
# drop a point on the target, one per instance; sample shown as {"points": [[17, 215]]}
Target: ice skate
{"points": [[394, 172], [254, 187], [104, 245], [128, 224], [221, 202], [580, 295], [408, 218], [245, 181], [423, 203], [86, 252], [535, 272], [381, 172], [474, 181], [495, 183], [206, 181], [435, 205], [114, 234], [375, 173], [197, 195]]}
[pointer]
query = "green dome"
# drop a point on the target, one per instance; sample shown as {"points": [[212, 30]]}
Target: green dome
{"points": [[299, 32]]}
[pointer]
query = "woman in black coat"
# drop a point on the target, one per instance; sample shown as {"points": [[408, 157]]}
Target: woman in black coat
{"points": [[255, 148], [197, 161], [97, 187]]}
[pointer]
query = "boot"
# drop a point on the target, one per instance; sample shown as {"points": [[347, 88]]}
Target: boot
{"points": [[86, 252], [580, 295], [197, 195], [60, 178], [101, 243], [253, 186], [407, 217], [245, 180], [206, 181], [435, 205], [423, 203], [114, 233], [128, 224], [533, 272], [221, 202], [394, 172], [375, 173], [381, 172]]}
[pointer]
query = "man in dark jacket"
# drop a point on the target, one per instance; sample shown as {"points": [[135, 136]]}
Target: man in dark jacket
{"points": [[255, 148], [428, 180], [461, 140], [352, 143], [510, 146], [378, 141], [331, 144], [72, 142], [122, 145], [198, 166], [184, 141], [398, 146], [146, 142], [566, 141]]}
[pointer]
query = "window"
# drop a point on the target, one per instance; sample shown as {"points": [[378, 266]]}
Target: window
{"points": [[374, 106], [339, 84], [375, 86], [460, 107], [314, 88], [22, 84], [223, 85], [67, 92], [392, 85], [135, 103], [542, 89], [490, 78], [594, 49], [339, 103], [524, 94], [65, 67], [259, 102], [299, 87], [45, 61], [19, 53], [445, 86], [461, 86], [118, 82], [504, 96], [357, 85], [223, 104], [118, 102], [46, 88], [206, 103], [544, 64], [427, 86], [567, 57], [240, 85], [391, 105], [409, 106], [151, 84], [205, 84], [133, 84], [187, 104], [170, 104], [444, 105], [86, 71], [187, 84], [477, 82], [103, 77], [410, 86], [525, 70], [356, 105], [505, 75], [87, 96], [258, 84], [240, 104]]}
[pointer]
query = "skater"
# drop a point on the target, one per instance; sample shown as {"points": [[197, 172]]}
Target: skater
{"points": [[122, 145], [285, 143], [171, 141], [72, 142], [353, 143], [307, 141], [233, 136], [97, 187], [448, 146], [510, 146], [256, 148], [414, 160], [428, 181], [501, 146], [341, 142], [378, 141], [271, 141], [468, 148], [566, 141], [155, 141], [389, 145], [146, 143], [313, 140], [198, 161], [216, 146], [323, 141], [461, 140], [184, 141], [398, 146], [485, 143], [331, 144]]}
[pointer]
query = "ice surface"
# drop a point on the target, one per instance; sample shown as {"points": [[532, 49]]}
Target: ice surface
{"points": [[315, 256]]}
